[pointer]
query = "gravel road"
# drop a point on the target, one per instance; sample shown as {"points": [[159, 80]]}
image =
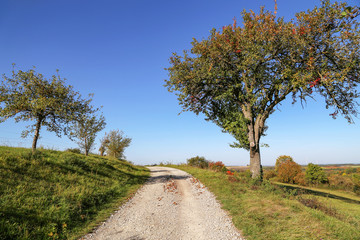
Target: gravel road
{"points": [[171, 205]]}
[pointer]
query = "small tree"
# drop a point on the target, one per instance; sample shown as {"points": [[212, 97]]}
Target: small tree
{"points": [[115, 143], [240, 74], [288, 171], [28, 96], [315, 174], [85, 130], [103, 143], [281, 159]]}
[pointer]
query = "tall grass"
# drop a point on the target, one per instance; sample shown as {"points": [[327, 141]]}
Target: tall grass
{"points": [[270, 212], [60, 195]]}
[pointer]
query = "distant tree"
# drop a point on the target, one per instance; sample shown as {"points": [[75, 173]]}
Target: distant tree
{"points": [[28, 96], [197, 161], [115, 143], [103, 143], [288, 171], [281, 159], [85, 129], [239, 75], [315, 174]]}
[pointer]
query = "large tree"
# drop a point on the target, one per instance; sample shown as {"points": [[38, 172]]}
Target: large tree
{"points": [[29, 96], [239, 74], [85, 129]]}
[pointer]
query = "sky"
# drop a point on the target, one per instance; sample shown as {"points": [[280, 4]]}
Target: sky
{"points": [[119, 49]]}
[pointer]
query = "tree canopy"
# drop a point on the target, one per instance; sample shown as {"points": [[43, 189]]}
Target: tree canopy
{"points": [[114, 143], [29, 96], [85, 129], [239, 74]]}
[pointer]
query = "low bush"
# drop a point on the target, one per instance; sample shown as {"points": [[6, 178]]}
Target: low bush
{"points": [[337, 181], [268, 174], [73, 150], [217, 166], [197, 161]]}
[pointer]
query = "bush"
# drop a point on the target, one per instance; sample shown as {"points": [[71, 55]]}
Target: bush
{"points": [[217, 166], [287, 171], [300, 179], [315, 174], [197, 161], [341, 182], [73, 150], [282, 159], [269, 174]]}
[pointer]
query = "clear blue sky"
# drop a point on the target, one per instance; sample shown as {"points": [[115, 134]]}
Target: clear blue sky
{"points": [[118, 50]]}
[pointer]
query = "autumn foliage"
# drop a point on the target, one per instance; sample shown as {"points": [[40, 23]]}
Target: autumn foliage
{"points": [[288, 172]]}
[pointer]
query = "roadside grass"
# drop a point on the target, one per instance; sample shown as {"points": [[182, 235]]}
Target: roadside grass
{"points": [[340, 194], [60, 195], [269, 212]]}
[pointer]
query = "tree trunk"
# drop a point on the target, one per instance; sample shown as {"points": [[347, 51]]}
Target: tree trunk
{"points": [[36, 135], [255, 162], [86, 147]]}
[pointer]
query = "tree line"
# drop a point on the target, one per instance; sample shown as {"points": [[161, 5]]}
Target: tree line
{"points": [[51, 104]]}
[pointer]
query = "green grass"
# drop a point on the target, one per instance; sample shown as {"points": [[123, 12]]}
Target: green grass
{"points": [[60, 195], [270, 212], [339, 194]]}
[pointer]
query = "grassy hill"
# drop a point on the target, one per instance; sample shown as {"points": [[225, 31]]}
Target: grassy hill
{"points": [[60, 195]]}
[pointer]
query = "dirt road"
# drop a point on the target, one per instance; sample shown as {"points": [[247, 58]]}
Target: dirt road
{"points": [[172, 205]]}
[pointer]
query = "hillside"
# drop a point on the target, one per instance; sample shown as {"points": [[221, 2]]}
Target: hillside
{"points": [[60, 195]]}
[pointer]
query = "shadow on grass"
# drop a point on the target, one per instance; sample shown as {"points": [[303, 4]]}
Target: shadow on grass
{"points": [[318, 193]]}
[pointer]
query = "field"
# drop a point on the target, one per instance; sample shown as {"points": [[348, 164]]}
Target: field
{"points": [[269, 211], [60, 195]]}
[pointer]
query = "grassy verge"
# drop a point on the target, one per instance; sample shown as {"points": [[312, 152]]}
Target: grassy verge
{"points": [[60, 195], [270, 212], [337, 194]]}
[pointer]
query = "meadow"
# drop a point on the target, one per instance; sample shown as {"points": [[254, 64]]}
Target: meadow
{"points": [[60, 195], [269, 211]]}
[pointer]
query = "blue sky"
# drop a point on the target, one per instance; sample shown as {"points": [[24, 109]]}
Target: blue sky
{"points": [[118, 50]]}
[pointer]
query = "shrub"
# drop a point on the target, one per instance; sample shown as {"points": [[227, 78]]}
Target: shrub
{"points": [[300, 179], [287, 171], [282, 159], [337, 181], [269, 174], [197, 161], [315, 174], [217, 166], [73, 150]]}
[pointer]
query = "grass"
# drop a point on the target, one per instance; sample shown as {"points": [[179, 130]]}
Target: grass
{"points": [[270, 212], [60, 195], [330, 193]]}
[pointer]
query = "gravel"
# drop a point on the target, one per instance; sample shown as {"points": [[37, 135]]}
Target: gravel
{"points": [[171, 205]]}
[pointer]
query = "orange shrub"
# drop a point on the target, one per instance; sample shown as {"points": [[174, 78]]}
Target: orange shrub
{"points": [[217, 166], [300, 179], [287, 171], [341, 182]]}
